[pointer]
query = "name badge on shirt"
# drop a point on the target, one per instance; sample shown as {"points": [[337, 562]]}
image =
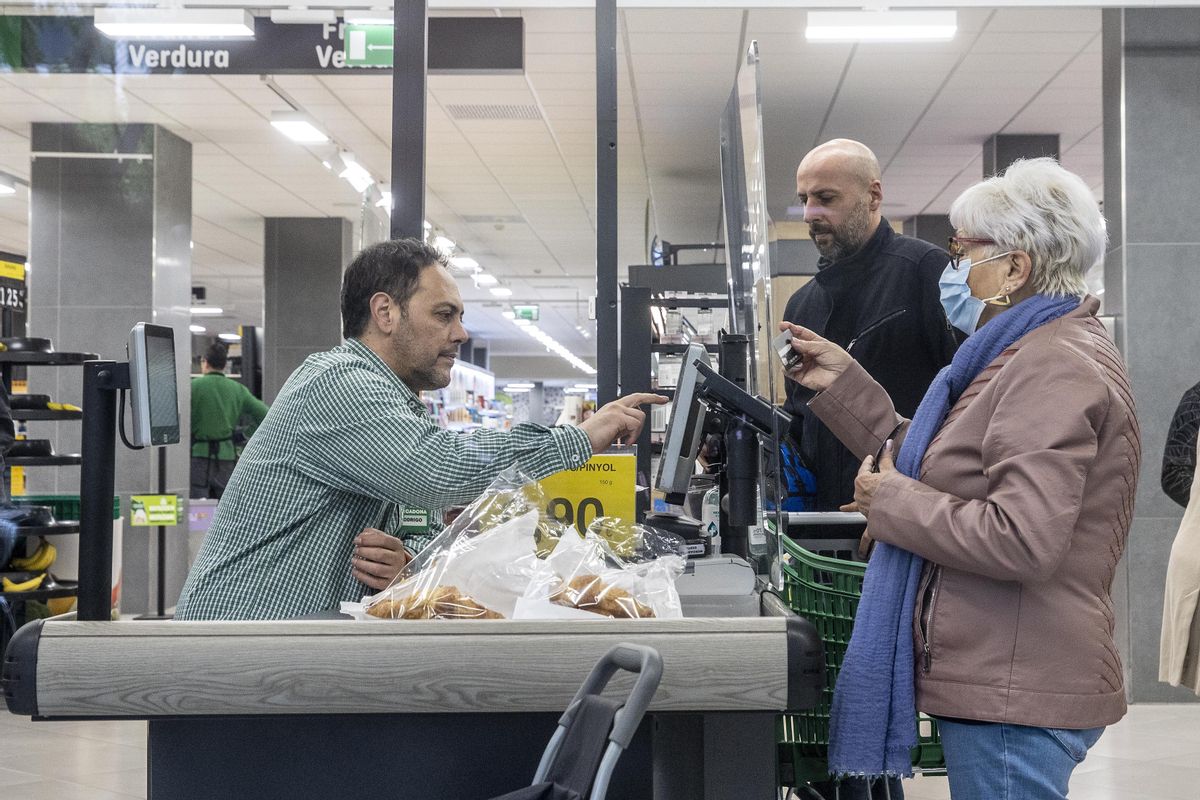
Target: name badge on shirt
{"points": [[414, 520]]}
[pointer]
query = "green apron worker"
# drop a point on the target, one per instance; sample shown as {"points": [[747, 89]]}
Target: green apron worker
{"points": [[218, 405]]}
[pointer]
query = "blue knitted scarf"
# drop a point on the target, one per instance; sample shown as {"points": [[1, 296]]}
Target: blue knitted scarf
{"points": [[872, 725]]}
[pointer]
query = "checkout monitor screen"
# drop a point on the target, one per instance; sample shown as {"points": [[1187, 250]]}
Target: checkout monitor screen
{"points": [[154, 388], [164, 397], [682, 442]]}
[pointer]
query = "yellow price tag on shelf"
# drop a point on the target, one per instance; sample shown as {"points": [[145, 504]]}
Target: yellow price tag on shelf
{"points": [[603, 487]]}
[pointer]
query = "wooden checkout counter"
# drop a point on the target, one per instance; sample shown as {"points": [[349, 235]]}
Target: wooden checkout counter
{"points": [[417, 710]]}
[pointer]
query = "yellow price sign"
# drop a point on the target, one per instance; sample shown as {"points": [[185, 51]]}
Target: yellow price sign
{"points": [[603, 487]]}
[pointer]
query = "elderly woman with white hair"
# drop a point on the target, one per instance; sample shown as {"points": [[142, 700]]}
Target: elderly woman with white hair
{"points": [[1001, 521]]}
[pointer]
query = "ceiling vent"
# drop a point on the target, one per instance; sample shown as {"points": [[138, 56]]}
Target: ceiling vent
{"points": [[492, 111]]}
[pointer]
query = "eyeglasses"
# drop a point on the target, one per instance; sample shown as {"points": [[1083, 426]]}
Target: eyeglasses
{"points": [[958, 247]]}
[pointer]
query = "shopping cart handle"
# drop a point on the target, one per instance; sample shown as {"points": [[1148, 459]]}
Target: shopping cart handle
{"points": [[634, 657], [646, 662]]}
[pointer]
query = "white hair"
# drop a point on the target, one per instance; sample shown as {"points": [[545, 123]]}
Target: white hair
{"points": [[1041, 208]]}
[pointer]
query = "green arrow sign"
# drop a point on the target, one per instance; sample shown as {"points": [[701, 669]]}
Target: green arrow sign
{"points": [[369, 45], [526, 312]]}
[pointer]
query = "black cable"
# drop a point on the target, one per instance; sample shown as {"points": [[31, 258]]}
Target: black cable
{"points": [[121, 427]]}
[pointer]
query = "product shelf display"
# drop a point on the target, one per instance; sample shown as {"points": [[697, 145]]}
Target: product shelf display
{"points": [[468, 402], [37, 591]]}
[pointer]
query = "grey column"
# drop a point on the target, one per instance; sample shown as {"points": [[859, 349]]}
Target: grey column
{"points": [[1002, 149], [302, 282], [932, 228], [110, 245], [1151, 137]]}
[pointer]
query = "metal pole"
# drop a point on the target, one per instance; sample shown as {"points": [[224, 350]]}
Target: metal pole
{"points": [[606, 199], [96, 480], [408, 118], [162, 537], [635, 372]]}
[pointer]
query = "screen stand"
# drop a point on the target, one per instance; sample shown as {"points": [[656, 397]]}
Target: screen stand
{"points": [[102, 380], [741, 476], [160, 606]]}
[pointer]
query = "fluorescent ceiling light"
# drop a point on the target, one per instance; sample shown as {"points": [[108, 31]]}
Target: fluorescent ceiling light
{"points": [[207, 311], [501, 291], [551, 344], [229, 337], [464, 263], [483, 279], [354, 173], [574, 390], [298, 127], [880, 26], [6, 189], [510, 390], [175, 23], [197, 328], [385, 201], [443, 243], [509, 315], [302, 16], [585, 386], [519, 386]]}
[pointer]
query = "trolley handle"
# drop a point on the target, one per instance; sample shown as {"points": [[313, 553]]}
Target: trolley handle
{"points": [[646, 663]]}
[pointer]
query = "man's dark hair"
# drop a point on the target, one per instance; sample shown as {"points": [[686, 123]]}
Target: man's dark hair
{"points": [[216, 355], [393, 267]]}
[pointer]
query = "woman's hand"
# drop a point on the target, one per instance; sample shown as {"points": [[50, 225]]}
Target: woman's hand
{"points": [[378, 558], [870, 475], [822, 361]]}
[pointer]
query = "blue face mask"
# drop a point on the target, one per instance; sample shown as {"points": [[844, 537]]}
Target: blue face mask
{"points": [[962, 308]]}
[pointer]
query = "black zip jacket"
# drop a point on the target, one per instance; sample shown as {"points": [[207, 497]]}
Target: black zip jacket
{"points": [[881, 304]]}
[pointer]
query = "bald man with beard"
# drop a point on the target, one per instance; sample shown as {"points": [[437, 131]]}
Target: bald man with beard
{"points": [[875, 294]]}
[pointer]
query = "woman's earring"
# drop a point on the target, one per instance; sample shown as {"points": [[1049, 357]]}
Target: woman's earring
{"points": [[1003, 300]]}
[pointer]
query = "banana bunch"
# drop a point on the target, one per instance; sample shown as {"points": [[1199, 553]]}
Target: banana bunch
{"points": [[39, 561], [23, 586]]}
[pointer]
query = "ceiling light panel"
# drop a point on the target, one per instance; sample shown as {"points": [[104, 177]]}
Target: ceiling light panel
{"points": [[170, 23], [298, 127], [880, 26]]}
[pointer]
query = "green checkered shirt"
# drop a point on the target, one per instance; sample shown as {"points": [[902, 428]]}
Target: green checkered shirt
{"points": [[346, 445]]}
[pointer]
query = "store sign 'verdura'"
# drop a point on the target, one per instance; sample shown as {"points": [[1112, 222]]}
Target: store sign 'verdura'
{"points": [[73, 45]]}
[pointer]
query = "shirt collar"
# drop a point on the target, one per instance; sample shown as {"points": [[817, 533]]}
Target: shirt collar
{"points": [[410, 397]]}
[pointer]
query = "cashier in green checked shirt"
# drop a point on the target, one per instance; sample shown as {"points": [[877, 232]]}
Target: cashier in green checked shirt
{"points": [[346, 476]]}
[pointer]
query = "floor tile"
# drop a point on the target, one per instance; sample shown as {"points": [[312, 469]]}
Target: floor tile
{"points": [[129, 781]]}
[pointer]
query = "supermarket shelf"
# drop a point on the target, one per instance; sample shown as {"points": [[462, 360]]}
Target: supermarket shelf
{"points": [[62, 589], [45, 415], [33, 359], [47, 530], [44, 461]]}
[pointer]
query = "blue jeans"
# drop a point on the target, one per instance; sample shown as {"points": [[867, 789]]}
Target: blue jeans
{"points": [[993, 761]]}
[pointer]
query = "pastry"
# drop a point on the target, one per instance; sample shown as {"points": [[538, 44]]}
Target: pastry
{"points": [[589, 593]]}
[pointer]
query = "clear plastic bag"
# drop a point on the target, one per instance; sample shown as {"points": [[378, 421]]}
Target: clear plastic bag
{"points": [[617, 569], [503, 557]]}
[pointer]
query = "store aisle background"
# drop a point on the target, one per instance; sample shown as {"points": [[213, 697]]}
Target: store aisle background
{"points": [[1152, 754]]}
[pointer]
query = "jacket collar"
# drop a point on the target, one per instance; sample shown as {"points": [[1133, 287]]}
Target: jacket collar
{"points": [[355, 345], [1087, 308], [851, 268]]}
